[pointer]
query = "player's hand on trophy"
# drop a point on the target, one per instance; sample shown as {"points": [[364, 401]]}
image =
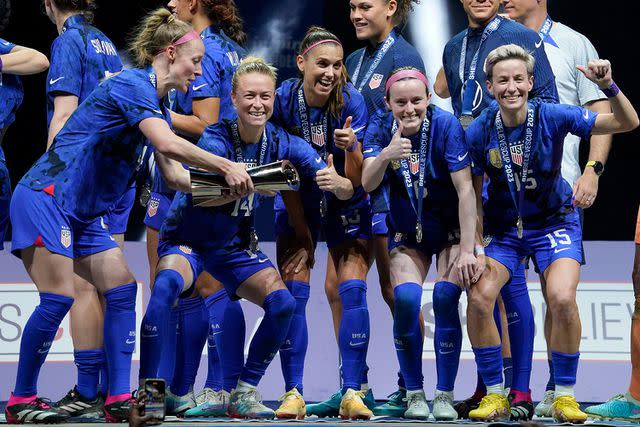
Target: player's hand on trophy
{"points": [[344, 138], [235, 174], [599, 72], [399, 148]]}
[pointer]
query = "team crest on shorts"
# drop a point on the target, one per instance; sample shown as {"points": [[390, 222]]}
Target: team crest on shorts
{"points": [[376, 81], [152, 210], [516, 154], [494, 158], [317, 135], [65, 236], [185, 249], [414, 163]]}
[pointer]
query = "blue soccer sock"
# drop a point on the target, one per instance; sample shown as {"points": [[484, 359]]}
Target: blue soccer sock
{"points": [[353, 333], [155, 324], [521, 325], [278, 309], [406, 333], [480, 384], [214, 365], [551, 384], [447, 339], [193, 331], [169, 340], [37, 337], [230, 339], [120, 336], [489, 363], [88, 364], [104, 374], [294, 349], [565, 367], [507, 372]]}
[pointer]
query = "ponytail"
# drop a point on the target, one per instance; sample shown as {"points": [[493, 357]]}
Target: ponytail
{"points": [[225, 13], [156, 31]]}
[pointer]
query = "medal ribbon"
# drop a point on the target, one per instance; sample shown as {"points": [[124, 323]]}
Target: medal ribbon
{"points": [[546, 28], [388, 42]]}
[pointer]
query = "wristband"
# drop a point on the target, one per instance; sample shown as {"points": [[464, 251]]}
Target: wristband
{"points": [[611, 92], [353, 147], [479, 250]]}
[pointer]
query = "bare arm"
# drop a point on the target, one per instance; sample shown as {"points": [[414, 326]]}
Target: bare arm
{"points": [[205, 113], [478, 183], [374, 168], [174, 174], [467, 208], [440, 86], [353, 165], [63, 107], [24, 61]]}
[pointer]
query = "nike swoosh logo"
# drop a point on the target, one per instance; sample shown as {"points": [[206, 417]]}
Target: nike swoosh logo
{"points": [[352, 230], [199, 87], [130, 341], [368, 150], [356, 344], [216, 333], [539, 44], [157, 111], [446, 352], [318, 160], [560, 250], [356, 130], [6, 43], [461, 158], [585, 114], [41, 351], [54, 81], [516, 321], [148, 336], [261, 261], [376, 223]]}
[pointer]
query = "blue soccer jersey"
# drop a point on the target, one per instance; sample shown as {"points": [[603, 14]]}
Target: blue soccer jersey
{"points": [[507, 32], [447, 153], [319, 134], [228, 226], [370, 66], [11, 92], [93, 159], [81, 57], [548, 197]]}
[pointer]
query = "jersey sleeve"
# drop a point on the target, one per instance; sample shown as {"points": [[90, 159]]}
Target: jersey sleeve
{"points": [[5, 46], [570, 118], [588, 91], [136, 99], [357, 109], [475, 142], [377, 137], [208, 84], [278, 113], [456, 149], [213, 141], [301, 154], [67, 62]]}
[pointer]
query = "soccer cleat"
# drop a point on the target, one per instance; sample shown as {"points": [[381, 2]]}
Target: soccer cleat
{"points": [[178, 405], [395, 407], [369, 400], [209, 403], [543, 408], [248, 404], [465, 406], [443, 407], [293, 406], [520, 405], [492, 407], [35, 410], [118, 411], [352, 407], [327, 408], [566, 409], [618, 408], [417, 406], [77, 406]]}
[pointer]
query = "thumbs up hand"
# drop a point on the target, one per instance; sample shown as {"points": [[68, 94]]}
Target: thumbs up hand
{"points": [[344, 138], [399, 148], [329, 180]]}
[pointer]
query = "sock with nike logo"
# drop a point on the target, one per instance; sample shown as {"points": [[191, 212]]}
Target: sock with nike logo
{"points": [[406, 333], [37, 337], [278, 310], [120, 336], [193, 329], [353, 333], [166, 287], [294, 349], [447, 339]]}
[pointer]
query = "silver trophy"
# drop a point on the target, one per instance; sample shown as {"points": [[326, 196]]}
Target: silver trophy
{"points": [[206, 187]]}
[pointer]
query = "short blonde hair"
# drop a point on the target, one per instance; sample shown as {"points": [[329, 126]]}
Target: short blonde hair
{"points": [[506, 52], [253, 64]]}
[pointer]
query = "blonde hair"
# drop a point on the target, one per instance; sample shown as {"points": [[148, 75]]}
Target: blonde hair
{"points": [[506, 52], [156, 31], [253, 64]]}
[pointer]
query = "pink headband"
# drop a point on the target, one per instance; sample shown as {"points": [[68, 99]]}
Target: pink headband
{"points": [[406, 74], [191, 35], [319, 43]]}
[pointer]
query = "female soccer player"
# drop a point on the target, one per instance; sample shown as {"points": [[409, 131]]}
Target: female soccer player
{"points": [[81, 57], [421, 151], [331, 116], [206, 101], [530, 212], [217, 239], [57, 206]]}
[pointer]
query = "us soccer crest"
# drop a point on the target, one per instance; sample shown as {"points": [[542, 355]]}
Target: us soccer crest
{"points": [[376, 81], [414, 163], [317, 135], [65, 237], [516, 154], [152, 210], [185, 249], [494, 158], [399, 237]]}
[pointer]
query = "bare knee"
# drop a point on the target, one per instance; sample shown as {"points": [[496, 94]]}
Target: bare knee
{"points": [[562, 305], [480, 304]]}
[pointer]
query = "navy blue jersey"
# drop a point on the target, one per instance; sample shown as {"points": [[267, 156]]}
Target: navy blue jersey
{"points": [[448, 153], [548, 197], [400, 54], [94, 157], [81, 57], [230, 224], [286, 113], [11, 92], [221, 59], [508, 32]]}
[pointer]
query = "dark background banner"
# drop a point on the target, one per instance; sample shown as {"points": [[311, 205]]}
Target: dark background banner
{"points": [[275, 28]]}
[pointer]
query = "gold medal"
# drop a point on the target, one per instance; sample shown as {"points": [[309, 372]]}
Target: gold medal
{"points": [[520, 228], [418, 232], [465, 121]]}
